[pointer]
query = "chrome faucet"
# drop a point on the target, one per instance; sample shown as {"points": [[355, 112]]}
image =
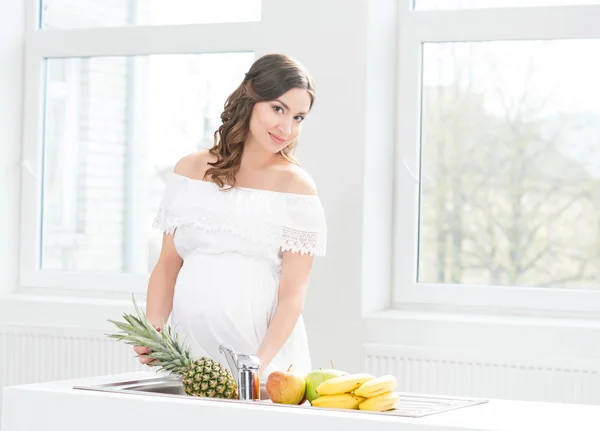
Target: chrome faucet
{"points": [[245, 370]]}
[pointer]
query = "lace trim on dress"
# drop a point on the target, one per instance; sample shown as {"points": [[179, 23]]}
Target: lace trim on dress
{"points": [[251, 228]]}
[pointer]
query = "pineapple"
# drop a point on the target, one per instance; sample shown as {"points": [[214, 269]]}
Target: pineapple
{"points": [[202, 377]]}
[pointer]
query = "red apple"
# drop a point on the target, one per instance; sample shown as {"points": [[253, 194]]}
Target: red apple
{"points": [[286, 387]]}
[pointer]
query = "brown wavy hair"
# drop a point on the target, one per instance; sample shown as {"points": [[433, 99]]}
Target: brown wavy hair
{"points": [[268, 78]]}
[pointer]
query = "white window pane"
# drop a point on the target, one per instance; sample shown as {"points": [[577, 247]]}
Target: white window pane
{"points": [[479, 4], [114, 129], [114, 13], [510, 164]]}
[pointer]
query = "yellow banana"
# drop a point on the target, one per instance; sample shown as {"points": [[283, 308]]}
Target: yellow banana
{"points": [[343, 384], [339, 401], [380, 403], [376, 386]]}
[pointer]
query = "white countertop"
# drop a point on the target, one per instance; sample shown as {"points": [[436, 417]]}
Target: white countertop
{"points": [[57, 406]]}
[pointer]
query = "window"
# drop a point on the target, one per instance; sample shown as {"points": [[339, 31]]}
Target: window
{"points": [[500, 119], [116, 13], [110, 107], [107, 167]]}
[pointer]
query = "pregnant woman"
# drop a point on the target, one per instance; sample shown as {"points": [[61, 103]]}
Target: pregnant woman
{"points": [[242, 223]]}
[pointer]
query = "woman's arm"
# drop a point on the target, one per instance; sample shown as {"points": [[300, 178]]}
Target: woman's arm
{"points": [[162, 280], [161, 286], [295, 274]]}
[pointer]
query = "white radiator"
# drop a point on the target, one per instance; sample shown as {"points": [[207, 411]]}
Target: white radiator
{"points": [[486, 374], [35, 354]]}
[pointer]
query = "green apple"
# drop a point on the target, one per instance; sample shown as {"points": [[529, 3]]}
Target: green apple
{"points": [[316, 377]]}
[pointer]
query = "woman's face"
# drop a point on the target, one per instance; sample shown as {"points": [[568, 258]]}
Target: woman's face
{"points": [[275, 124]]}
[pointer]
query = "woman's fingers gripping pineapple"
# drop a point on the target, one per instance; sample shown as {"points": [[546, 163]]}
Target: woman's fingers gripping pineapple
{"points": [[143, 351]]}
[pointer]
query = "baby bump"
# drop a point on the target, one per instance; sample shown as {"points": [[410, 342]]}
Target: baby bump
{"points": [[225, 297]]}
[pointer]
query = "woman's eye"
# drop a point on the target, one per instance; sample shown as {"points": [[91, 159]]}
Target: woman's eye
{"points": [[278, 108], [299, 118]]}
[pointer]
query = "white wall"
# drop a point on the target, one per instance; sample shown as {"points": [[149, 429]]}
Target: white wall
{"points": [[332, 150], [347, 147]]}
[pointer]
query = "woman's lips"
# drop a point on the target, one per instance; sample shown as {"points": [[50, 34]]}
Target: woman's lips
{"points": [[276, 139]]}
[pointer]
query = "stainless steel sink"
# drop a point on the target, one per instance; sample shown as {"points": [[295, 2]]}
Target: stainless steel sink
{"points": [[410, 405], [173, 386], [161, 387]]}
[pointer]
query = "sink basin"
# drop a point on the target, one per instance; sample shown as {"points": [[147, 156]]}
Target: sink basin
{"points": [[410, 404], [173, 386], [168, 387]]}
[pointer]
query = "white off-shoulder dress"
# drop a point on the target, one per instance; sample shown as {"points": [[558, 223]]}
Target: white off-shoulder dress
{"points": [[232, 244]]}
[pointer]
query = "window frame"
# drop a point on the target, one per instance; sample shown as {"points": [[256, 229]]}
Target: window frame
{"points": [[43, 44], [416, 27]]}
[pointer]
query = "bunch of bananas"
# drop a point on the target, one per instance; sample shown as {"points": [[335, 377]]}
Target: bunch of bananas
{"points": [[358, 391]]}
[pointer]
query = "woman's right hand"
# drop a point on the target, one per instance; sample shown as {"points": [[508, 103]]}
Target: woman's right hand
{"points": [[142, 350]]}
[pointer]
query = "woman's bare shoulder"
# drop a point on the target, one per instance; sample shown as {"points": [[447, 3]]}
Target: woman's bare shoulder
{"points": [[294, 179], [194, 165]]}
